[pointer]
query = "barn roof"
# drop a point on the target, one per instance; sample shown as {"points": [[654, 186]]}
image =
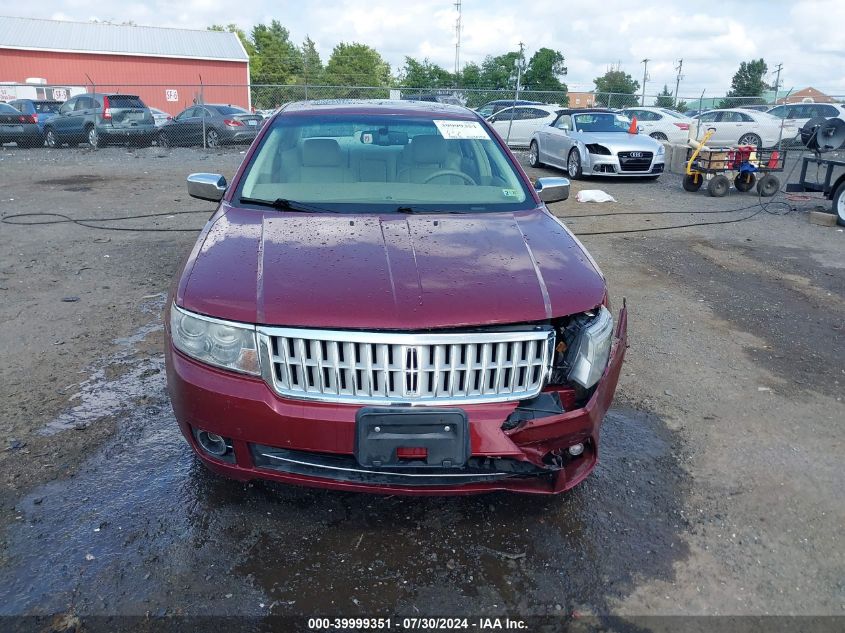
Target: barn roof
{"points": [[114, 39]]}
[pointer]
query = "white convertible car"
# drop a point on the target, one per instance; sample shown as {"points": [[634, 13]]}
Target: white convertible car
{"points": [[595, 142]]}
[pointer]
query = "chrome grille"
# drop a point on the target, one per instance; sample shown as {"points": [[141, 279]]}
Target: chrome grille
{"points": [[383, 368]]}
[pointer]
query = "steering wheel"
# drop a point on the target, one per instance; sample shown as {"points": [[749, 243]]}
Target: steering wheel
{"points": [[450, 172]]}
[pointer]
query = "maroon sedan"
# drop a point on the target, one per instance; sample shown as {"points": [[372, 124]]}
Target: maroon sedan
{"points": [[383, 303]]}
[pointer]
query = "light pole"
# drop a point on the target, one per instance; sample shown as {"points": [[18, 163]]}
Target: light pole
{"points": [[645, 77]]}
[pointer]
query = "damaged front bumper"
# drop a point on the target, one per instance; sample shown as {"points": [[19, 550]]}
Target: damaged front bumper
{"points": [[313, 443]]}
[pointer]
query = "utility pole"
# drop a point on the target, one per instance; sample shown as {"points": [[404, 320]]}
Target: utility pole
{"points": [[458, 38], [679, 67], [645, 76], [777, 81], [519, 64]]}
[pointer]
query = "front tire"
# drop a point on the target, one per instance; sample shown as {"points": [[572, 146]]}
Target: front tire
{"points": [[534, 155], [719, 186], [751, 139], [51, 139], [693, 182], [164, 141], [839, 204], [573, 164]]}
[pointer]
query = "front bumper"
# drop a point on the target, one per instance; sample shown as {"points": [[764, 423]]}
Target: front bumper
{"points": [[604, 165], [312, 443]]}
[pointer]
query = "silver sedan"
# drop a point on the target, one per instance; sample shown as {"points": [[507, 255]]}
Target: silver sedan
{"points": [[594, 142]]}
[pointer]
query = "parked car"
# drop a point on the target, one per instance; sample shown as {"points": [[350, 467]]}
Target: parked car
{"points": [[797, 114], [738, 126], [492, 107], [160, 116], [596, 142], [517, 124], [42, 109], [17, 127], [101, 119], [661, 124], [364, 312], [218, 124]]}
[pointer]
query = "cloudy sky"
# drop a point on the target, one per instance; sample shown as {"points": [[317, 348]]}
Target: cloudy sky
{"points": [[712, 37]]}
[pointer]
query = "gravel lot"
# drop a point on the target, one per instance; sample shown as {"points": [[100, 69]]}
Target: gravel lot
{"points": [[719, 491]]}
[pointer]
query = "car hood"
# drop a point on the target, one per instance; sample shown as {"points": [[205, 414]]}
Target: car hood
{"points": [[388, 271], [620, 142]]}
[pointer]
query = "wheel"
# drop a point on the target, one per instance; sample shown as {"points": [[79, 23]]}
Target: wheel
{"points": [[51, 138], [659, 136], [212, 138], [693, 182], [573, 164], [718, 186], [534, 155], [744, 181], [750, 139], [94, 139], [768, 186], [839, 203], [163, 140]]}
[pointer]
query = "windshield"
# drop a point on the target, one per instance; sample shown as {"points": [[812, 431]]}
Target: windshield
{"points": [[601, 122], [125, 101], [380, 163]]}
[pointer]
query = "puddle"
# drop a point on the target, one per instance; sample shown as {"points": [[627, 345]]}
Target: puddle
{"points": [[143, 528], [125, 378]]}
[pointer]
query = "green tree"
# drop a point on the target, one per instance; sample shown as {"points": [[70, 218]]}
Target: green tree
{"points": [[312, 65], [277, 59], [544, 70], [470, 76], [356, 65], [616, 89], [747, 83], [425, 75], [499, 72], [681, 106], [665, 98]]}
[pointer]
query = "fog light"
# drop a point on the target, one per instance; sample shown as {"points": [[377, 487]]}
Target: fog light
{"points": [[576, 449], [212, 443]]}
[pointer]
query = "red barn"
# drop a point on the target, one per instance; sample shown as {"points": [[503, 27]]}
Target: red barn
{"points": [[168, 68]]}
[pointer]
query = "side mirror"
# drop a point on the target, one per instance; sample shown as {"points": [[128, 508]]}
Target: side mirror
{"points": [[552, 189], [207, 186]]}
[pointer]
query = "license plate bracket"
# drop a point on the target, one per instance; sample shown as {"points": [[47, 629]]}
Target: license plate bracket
{"points": [[381, 431]]}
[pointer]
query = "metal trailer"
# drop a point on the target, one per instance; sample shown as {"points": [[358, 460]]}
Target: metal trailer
{"points": [[832, 188]]}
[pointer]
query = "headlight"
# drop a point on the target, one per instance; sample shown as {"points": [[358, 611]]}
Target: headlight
{"points": [[661, 150], [589, 353], [595, 148], [213, 341]]}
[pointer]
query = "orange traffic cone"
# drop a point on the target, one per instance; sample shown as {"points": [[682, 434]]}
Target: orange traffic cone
{"points": [[633, 129]]}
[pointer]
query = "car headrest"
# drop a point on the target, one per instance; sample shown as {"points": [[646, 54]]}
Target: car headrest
{"points": [[321, 152], [428, 148]]}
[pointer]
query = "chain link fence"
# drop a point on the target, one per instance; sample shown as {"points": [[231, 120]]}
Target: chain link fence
{"points": [[206, 115]]}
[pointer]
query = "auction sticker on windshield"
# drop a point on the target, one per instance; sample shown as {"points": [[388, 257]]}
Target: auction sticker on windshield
{"points": [[461, 130]]}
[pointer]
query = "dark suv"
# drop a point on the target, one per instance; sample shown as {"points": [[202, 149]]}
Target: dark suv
{"points": [[100, 119]]}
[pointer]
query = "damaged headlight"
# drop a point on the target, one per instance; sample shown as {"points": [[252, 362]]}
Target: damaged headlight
{"points": [[221, 343], [588, 354]]}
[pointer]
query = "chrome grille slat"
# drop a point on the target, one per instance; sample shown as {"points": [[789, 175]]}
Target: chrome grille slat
{"points": [[388, 367]]}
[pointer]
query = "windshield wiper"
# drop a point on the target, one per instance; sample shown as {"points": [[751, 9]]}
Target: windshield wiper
{"points": [[405, 209], [283, 204]]}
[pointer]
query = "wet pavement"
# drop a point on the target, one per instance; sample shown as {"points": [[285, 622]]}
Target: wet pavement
{"points": [[144, 528]]}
